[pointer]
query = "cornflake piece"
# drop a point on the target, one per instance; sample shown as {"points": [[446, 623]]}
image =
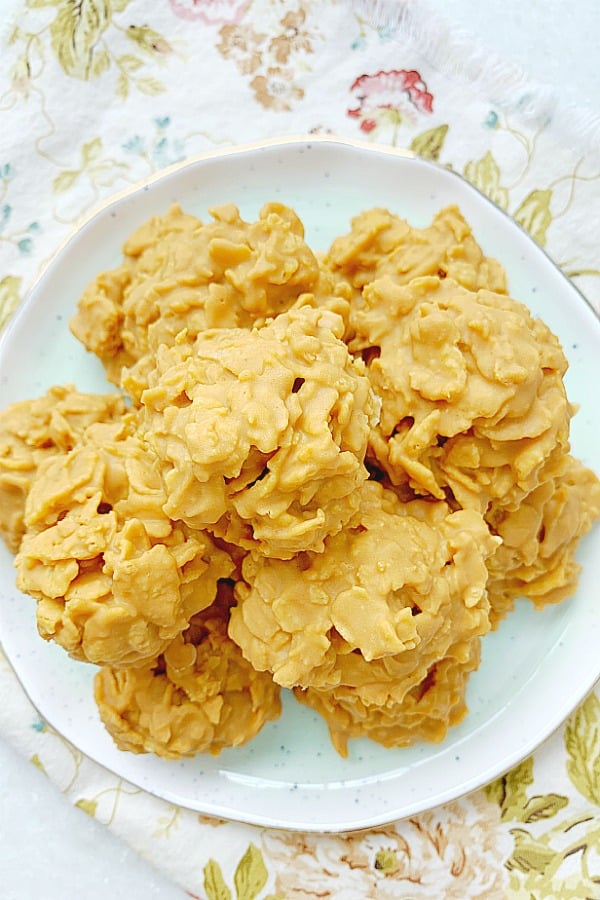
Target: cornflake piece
{"points": [[34, 430], [115, 580], [199, 696], [401, 582], [262, 433]]}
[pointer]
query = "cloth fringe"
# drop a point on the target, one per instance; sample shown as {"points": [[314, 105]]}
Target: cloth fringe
{"points": [[460, 57]]}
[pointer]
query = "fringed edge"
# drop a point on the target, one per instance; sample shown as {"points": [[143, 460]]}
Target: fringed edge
{"points": [[503, 82]]}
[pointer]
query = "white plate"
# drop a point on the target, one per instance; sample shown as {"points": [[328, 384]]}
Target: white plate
{"points": [[536, 668]]}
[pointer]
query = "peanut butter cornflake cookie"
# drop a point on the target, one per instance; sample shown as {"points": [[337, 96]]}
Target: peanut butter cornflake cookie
{"points": [[262, 434], [373, 700], [178, 273], [473, 400], [380, 244], [398, 586], [199, 696], [115, 580], [32, 431], [537, 556]]}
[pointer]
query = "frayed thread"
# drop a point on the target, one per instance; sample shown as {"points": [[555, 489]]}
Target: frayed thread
{"points": [[504, 83]]}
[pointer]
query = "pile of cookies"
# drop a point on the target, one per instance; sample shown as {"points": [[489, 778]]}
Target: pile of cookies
{"points": [[328, 474]]}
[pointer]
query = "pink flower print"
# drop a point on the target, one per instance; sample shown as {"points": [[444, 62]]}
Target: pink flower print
{"points": [[388, 99], [211, 12]]}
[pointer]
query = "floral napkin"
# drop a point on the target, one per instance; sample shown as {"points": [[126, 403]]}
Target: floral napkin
{"points": [[98, 94]]}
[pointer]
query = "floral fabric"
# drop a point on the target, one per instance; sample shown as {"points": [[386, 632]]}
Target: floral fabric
{"points": [[98, 94]]}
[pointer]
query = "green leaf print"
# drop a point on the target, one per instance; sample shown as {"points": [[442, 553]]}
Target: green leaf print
{"points": [[150, 86], [529, 855], [534, 214], [214, 883], [10, 295], [582, 742], [100, 63], [129, 63], [38, 763], [485, 175], [429, 143], [148, 40], [543, 806], [91, 151], [75, 33], [250, 875], [88, 806], [64, 181], [510, 791], [81, 39], [122, 88]]}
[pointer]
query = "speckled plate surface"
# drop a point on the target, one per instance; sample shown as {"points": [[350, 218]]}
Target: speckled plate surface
{"points": [[535, 668]]}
